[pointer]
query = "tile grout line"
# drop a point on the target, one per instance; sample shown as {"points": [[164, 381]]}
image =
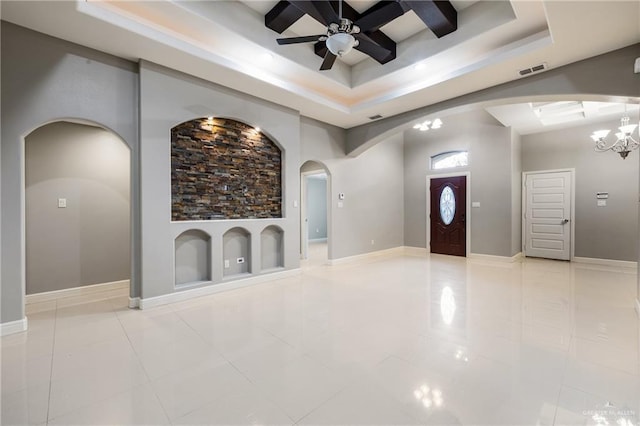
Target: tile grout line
{"points": [[564, 373], [53, 346], [146, 373]]}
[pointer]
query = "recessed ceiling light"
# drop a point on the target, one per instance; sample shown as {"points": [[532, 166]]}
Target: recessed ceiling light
{"points": [[428, 124]]}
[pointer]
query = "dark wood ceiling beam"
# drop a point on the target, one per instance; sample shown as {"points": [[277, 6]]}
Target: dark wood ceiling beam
{"points": [[439, 15], [282, 16], [321, 11], [384, 43], [326, 11], [380, 14]]}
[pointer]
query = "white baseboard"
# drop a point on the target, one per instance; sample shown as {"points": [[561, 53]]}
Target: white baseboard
{"points": [[415, 251], [13, 327], [145, 303], [395, 251], [86, 290], [134, 302], [318, 240], [506, 259], [605, 262]]}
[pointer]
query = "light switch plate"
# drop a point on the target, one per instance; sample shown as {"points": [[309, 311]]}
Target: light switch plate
{"points": [[62, 203], [602, 203], [475, 204]]}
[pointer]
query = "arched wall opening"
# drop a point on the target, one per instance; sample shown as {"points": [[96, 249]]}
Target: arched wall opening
{"points": [[498, 156], [315, 212], [77, 210]]}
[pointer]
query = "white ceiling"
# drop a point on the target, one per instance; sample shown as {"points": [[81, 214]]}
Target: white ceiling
{"points": [[226, 42], [529, 118]]}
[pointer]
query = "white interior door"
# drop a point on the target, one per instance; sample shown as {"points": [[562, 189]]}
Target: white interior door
{"points": [[548, 215]]}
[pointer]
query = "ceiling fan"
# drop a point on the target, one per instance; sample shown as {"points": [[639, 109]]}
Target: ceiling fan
{"points": [[342, 34]]}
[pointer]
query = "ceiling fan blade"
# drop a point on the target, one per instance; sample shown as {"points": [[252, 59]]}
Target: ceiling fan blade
{"points": [[326, 10], [379, 15], [305, 39], [329, 59], [321, 11], [377, 52]]}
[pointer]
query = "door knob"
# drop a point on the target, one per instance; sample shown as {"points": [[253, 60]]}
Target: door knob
{"points": [[565, 221]]}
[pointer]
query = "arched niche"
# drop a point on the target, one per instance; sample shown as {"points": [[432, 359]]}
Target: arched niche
{"points": [[272, 247], [224, 169], [193, 258], [236, 252]]}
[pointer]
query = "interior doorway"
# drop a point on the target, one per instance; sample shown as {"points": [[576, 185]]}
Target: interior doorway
{"points": [[314, 214], [548, 214], [448, 218], [77, 212]]}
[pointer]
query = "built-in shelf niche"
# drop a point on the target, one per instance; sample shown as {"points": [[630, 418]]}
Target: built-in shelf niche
{"points": [[236, 252], [193, 258], [272, 247]]}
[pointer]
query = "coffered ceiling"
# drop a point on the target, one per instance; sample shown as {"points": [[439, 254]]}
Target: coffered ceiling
{"points": [[227, 42]]}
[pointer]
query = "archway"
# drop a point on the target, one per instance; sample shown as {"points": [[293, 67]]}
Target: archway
{"points": [[77, 212], [315, 213]]}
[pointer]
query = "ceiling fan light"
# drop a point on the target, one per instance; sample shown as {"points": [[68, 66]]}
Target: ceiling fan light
{"points": [[340, 44]]}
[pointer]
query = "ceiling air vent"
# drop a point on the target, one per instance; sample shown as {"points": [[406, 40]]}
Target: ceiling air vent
{"points": [[375, 117], [533, 69]]}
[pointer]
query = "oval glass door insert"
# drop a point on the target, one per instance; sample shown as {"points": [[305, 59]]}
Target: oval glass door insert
{"points": [[447, 205]]}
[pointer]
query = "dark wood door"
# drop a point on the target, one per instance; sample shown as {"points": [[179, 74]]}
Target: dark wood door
{"points": [[448, 215]]}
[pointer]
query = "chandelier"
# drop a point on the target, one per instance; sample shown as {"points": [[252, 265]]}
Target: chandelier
{"points": [[624, 144]]}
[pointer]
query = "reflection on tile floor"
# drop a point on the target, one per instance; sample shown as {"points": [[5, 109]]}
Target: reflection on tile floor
{"points": [[400, 340]]}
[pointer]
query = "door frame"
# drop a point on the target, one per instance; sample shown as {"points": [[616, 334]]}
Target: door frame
{"points": [[572, 171], [468, 208], [304, 231]]}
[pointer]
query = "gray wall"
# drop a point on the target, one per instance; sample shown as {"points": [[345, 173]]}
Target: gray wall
{"points": [[373, 208], [317, 207], [598, 78], [609, 232], [516, 193], [168, 98], [88, 241], [43, 80], [490, 158]]}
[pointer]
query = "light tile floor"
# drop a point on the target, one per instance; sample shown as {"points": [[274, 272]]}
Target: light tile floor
{"points": [[402, 340]]}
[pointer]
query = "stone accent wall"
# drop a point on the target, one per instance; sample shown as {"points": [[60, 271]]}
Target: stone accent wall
{"points": [[224, 169]]}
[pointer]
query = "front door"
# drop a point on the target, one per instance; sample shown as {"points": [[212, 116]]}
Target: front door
{"points": [[448, 215], [547, 214]]}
